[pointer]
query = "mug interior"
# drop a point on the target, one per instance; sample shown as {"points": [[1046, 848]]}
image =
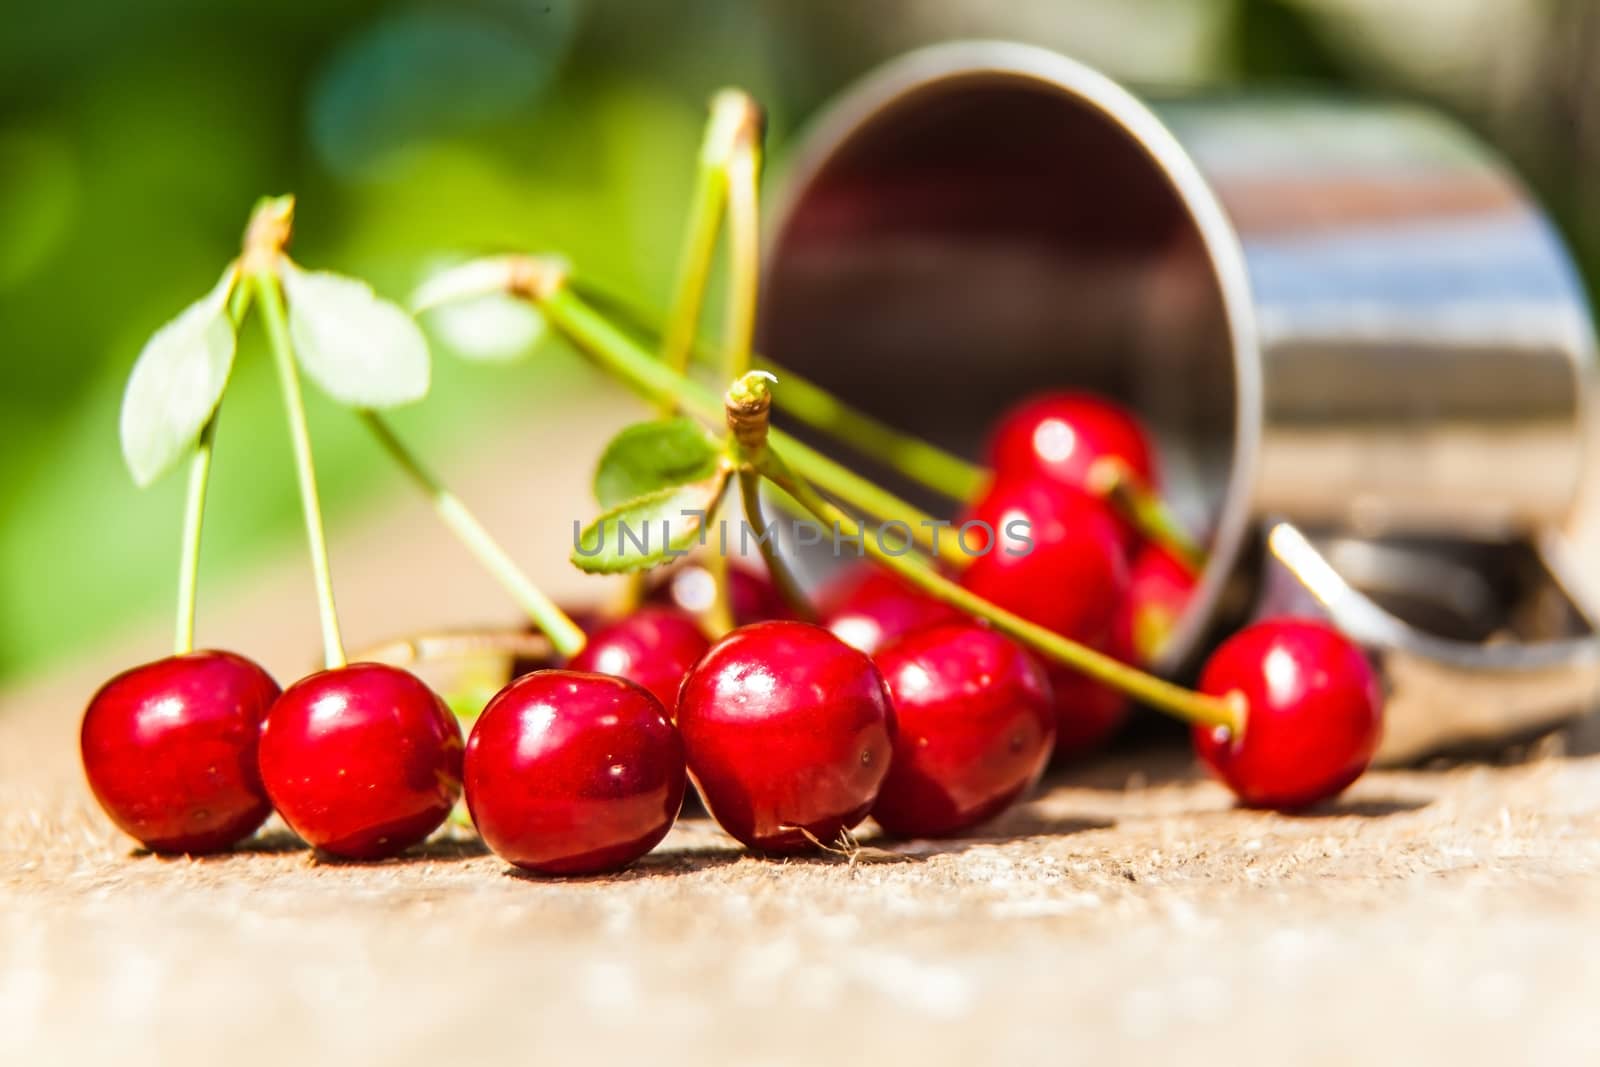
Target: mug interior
{"points": [[966, 241]]}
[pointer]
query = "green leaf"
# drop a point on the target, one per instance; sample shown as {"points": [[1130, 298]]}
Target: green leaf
{"points": [[177, 383], [649, 530], [362, 350], [488, 329], [649, 456]]}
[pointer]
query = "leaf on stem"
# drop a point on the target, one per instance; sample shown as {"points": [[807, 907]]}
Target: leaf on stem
{"points": [[650, 456], [362, 350], [177, 383], [471, 307], [650, 530]]}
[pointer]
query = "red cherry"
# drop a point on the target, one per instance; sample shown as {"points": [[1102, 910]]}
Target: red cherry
{"points": [[690, 588], [974, 727], [1087, 712], [361, 761], [1159, 589], [787, 728], [1315, 713], [1060, 435], [573, 773], [868, 606], [169, 749], [654, 647], [1055, 557]]}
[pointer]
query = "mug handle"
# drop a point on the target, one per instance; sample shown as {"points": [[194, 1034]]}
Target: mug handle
{"points": [[1443, 693]]}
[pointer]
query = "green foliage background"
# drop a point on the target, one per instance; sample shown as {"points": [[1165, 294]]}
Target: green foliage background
{"points": [[134, 137]]}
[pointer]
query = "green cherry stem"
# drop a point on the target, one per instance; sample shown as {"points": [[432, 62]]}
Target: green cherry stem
{"points": [[744, 249], [719, 617], [917, 460], [1190, 706], [564, 634], [194, 517], [782, 576], [194, 509], [748, 404], [615, 352], [270, 294], [1110, 478], [730, 110]]}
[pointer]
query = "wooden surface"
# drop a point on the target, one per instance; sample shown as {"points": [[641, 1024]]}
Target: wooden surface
{"points": [[1128, 914]]}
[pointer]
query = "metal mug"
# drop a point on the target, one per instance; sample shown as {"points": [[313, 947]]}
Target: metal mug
{"points": [[1343, 321]]}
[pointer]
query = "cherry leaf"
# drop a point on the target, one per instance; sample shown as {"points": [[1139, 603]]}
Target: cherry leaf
{"points": [[177, 383], [649, 456], [649, 530], [471, 308], [362, 350]]}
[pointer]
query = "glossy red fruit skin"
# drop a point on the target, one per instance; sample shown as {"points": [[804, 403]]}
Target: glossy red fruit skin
{"points": [[654, 647], [169, 749], [1088, 713], [1075, 574], [867, 606], [786, 727], [1315, 713], [975, 724], [1059, 436], [1160, 587], [571, 773], [362, 761], [755, 599]]}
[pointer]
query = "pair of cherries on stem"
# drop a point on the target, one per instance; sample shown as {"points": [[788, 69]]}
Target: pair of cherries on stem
{"points": [[191, 753]]}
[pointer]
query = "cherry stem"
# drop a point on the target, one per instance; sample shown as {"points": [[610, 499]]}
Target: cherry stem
{"points": [[1111, 479], [614, 351], [1197, 708], [748, 406], [194, 509], [732, 113], [908, 455], [194, 517], [782, 576], [563, 633], [730, 109], [744, 248], [719, 617], [277, 323]]}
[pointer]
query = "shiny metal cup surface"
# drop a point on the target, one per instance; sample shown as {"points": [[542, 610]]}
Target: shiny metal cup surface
{"points": [[1344, 322]]}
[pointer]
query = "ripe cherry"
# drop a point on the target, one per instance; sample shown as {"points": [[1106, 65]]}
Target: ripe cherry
{"points": [[1060, 436], [1055, 557], [974, 722], [654, 647], [868, 606], [361, 761], [788, 732], [1159, 589], [573, 773], [1314, 718], [691, 588], [169, 749], [1088, 712]]}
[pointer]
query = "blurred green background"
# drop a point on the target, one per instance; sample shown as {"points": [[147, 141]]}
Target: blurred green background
{"points": [[134, 138]]}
